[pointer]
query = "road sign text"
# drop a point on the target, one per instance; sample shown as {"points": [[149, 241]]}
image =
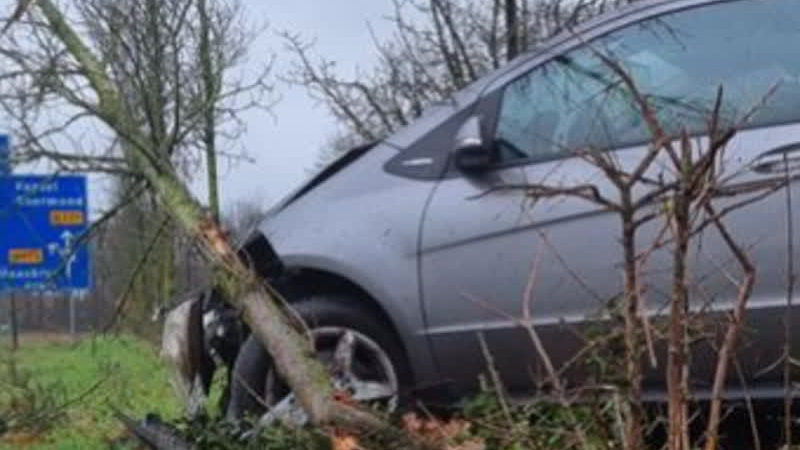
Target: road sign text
{"points": [[43, 220]]}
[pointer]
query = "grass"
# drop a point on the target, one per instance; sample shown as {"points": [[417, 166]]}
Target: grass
{"points": [[100, 372], [125, 372]]}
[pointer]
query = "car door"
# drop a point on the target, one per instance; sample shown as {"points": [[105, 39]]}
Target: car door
{"points": [[485, 245]]}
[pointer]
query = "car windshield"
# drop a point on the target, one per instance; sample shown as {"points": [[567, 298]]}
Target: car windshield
{"points": [[678, 62]]}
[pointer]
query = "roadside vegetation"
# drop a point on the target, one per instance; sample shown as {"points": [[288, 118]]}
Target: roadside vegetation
{"points": [[57, 394], [60, 394]]}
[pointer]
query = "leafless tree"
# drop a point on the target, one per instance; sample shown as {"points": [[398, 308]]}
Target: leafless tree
{"points": [[437, 48], [145, 45], [66, 61]]}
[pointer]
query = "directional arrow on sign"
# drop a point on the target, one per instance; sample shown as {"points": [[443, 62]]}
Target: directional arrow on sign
{"points": [[66, 236], [65, 251], [43, 223]]}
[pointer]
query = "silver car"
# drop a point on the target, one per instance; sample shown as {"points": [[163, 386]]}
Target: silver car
{"points": [[404, 260]]}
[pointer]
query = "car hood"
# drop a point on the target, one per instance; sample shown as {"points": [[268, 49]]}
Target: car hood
{"points": [[323, 174]]}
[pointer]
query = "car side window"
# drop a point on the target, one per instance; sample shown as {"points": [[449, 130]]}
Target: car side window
{"points": [[678, 61]]}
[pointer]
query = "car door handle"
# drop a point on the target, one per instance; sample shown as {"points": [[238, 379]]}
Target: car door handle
{"points": [[779, 160]]}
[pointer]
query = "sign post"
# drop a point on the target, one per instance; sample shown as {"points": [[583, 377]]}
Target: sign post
{"points": [[14, 326], [5, 154], [72, 314], [5, 169]]}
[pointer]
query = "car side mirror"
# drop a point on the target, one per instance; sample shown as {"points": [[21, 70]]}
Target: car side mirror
{"points": [[470, 152]]}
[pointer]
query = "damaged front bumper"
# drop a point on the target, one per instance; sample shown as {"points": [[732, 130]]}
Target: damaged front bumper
{"points": [[203, 332], [200, 334]]}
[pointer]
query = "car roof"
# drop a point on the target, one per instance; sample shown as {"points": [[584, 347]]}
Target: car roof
{"points": [[599, 20]]}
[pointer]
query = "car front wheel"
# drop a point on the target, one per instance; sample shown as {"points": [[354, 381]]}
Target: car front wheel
{"points": [[361, 352]]}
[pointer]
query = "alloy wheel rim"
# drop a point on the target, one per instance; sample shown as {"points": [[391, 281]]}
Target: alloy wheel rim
{"points": [[358, 366]]}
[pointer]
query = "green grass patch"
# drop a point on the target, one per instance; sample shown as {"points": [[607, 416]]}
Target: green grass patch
{"points": [[92, 375]]}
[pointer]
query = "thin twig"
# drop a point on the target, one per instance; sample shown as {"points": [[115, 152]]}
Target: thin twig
{"points": [[787, 321], [527, 303], [496, 380], [123, 299], [732, 333], [751, 413]]}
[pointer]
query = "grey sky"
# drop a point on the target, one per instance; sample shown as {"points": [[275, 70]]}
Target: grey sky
{"points": [[287, 145]]}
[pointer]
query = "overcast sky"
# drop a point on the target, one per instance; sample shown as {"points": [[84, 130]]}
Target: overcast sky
{"points": [[286, 146]]}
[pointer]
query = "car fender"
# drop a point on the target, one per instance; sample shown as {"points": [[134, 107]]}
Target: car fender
{"points": [[362, 224]]}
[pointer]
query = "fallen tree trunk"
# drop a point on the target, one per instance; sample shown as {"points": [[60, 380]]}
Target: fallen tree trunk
{"points": [[261, 306]]}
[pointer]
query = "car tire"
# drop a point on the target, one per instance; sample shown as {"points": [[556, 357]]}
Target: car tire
{"points": [[248, 393]]}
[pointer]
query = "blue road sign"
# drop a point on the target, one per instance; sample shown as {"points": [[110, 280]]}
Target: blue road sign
{"points": [[42, 221], [5, 154]]}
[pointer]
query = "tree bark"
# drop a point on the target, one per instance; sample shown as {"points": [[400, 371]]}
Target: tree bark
{"points": [[677, 363], [512, 29], [634, 438], [169, 271], [210, 82]]}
